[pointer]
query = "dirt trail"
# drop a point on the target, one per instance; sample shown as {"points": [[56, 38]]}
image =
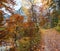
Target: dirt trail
{"points": [[50, 40]]}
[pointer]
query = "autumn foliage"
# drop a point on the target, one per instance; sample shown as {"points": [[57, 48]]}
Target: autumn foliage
{"points": [[17, 18], [28, 24]]}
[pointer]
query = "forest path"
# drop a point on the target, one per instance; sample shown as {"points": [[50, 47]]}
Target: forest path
{"points": [[50, 40]]}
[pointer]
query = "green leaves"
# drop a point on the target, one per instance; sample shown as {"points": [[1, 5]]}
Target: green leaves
{"points": [[2, 28]]}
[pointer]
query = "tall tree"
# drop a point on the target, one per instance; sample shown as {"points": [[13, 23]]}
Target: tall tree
{"points": [[1, 18]]}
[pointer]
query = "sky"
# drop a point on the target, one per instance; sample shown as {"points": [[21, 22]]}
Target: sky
{"points": [[19, 4], [15, 7]]}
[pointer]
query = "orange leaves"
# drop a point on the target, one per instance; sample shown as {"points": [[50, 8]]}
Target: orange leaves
{"points": [[43, 21], [1, 12], [3, 0], [11, 28], [28, 24], [17, 21], [1, 5], [25, 25], [16, 17], [14, 21], [31, 23]]}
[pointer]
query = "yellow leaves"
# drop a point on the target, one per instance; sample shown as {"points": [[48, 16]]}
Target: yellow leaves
{"points": [[25, 40], [26, 4], [26, 11], [46, 3], [39, 1], [59, 16]]}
